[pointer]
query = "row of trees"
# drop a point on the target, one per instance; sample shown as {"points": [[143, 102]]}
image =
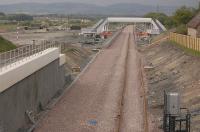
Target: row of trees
{"points": [[15, 17], [179, 19]]}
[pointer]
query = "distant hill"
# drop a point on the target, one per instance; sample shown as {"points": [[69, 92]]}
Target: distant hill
{"points": [[80, 8]]}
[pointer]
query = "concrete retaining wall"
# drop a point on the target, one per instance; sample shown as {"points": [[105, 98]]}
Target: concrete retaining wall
{"points": [[30, 94], [23, 68]]}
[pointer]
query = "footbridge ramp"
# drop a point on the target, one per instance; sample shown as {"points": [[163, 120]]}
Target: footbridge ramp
{"points": [[161, 26], [93, 29]]}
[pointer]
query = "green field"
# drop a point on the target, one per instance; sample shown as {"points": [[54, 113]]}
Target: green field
{"points": [[6, 45]]}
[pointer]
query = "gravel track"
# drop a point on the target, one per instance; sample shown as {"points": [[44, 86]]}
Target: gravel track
{"points": [[106, 98], [132, 110]]}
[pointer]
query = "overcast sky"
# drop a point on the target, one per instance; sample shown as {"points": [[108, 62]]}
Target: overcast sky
{"points": [[107, 2]]}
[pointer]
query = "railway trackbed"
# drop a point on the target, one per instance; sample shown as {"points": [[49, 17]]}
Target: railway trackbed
{"points": [[107, 97]]}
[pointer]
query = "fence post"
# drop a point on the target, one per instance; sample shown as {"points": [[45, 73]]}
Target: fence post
{"points": [[198, 42]]}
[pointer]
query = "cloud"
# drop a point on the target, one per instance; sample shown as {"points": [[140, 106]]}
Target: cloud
{"points": [[106, 2]]}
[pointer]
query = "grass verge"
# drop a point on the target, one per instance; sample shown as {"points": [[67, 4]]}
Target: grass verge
{"points": [[186, 50], [6, 45]]}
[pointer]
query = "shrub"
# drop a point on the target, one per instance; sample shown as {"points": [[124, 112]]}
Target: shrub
{"points": [[182, 29]]}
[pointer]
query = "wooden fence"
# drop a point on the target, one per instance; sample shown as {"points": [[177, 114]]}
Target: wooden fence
{"points": [[186, 41]]}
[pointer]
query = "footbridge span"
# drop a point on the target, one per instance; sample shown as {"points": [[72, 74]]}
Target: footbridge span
{"points": [[151, 26]]}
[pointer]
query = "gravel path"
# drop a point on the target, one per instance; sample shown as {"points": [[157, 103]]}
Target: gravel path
{"points": [[132, 110], [106, 98]]}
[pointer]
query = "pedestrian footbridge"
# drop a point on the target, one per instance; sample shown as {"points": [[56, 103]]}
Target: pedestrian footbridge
{"points": [[151, 26]]}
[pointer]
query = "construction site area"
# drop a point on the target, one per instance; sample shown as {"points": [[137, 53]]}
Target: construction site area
{"points": [[114, 74]]}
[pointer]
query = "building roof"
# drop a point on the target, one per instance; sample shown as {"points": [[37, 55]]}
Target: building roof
{"points": [[195, 22]]}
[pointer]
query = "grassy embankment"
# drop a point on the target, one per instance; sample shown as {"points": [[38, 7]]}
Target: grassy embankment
{"points": [[186, 50], [6, 45]]}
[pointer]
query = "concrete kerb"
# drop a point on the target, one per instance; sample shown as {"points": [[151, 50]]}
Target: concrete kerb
{"points": [[52, 104]]}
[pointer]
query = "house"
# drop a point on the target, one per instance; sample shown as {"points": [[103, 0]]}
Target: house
{"points": [[194, 26]]}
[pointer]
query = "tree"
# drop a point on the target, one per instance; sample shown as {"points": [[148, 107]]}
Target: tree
{"points": [[182, 29], [160, 16], [163, 18], [183, 15], [20, 17], [2, 14]]}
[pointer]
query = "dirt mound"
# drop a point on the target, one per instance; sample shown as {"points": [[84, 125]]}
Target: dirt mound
{"points": [[173, 70]]}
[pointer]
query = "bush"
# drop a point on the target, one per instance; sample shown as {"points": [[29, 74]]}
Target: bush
{"points": [[167, 21], [184, 15], [160, 16], [2, 14], [181, 16], [182, 29], [20, 17]]}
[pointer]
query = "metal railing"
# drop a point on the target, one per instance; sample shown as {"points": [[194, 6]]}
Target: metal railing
{"points": [[13, 57], [153, 31]]}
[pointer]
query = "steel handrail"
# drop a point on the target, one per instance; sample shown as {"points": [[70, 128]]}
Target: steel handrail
{"points": [[13, 57]]}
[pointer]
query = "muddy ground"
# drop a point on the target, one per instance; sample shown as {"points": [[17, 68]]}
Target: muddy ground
{"points": [[172, 69], [77, 55]]}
